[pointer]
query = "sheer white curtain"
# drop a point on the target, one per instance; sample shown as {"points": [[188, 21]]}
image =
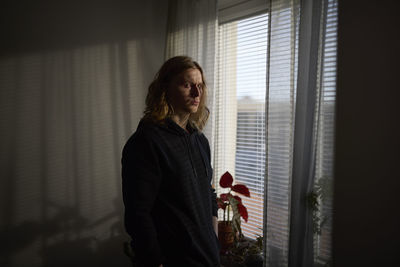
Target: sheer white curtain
{"points": [[65, 117], [66, 111], [299, 125], [280, 115], [191, 31]]}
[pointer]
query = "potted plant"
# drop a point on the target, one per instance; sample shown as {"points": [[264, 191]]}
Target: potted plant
{"points": [[246, 252], [229, 229]]}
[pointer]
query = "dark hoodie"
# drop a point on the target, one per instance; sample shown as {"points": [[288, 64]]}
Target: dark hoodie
{"points": [[169, 201]]}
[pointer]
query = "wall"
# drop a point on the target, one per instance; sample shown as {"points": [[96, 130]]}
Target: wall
{"points": [[366, 218], [73, 78]]}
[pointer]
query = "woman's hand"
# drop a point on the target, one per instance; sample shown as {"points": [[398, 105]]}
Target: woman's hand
{"points": [[215, 225]]}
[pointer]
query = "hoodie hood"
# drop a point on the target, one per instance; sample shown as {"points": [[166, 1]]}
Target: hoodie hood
{"points": [[169, 125]]}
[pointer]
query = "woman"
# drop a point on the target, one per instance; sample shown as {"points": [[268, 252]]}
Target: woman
{"points": [[170, 206]]}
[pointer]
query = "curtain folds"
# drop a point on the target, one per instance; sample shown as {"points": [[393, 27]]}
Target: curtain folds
{"points": [[304, 143], [280, 118], [299, 125]]}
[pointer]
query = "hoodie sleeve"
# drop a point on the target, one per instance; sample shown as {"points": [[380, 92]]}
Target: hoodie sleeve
{"points": [[141, 179]]}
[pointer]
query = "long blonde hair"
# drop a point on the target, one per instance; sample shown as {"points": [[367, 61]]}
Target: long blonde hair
{"points": [[157, 106]]}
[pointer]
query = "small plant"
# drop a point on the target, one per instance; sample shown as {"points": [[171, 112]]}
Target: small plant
{"points": [[322, 191], [228, 202]]}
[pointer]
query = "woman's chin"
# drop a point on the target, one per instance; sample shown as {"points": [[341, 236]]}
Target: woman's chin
{"points": [[193, 109]]}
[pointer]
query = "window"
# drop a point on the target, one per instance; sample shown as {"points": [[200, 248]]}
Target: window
{"points": [[248, 135], [240, 109]]}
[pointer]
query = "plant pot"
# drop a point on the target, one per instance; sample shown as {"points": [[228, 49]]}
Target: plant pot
{"points": [[254, 260], [225, 235]]}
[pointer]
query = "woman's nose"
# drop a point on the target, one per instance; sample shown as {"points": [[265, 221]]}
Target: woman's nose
{"points": [[195, 91]]}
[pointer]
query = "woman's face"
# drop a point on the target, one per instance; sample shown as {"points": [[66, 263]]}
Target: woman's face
{"points": [[185, 91]]}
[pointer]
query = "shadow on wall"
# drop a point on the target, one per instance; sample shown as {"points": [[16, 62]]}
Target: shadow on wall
{"points": [[73, 79], [66, 243]]}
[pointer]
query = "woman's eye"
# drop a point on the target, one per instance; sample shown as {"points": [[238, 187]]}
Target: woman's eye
{"points": [[186, 85]]}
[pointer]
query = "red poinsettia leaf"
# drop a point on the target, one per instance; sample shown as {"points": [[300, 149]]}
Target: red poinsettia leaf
{"points": [[224, 197], [238, 199], [243, 211], [241, 189], [226, 180]]}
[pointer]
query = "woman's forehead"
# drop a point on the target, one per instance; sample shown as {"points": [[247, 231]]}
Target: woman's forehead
{"points": [[192, 75]]}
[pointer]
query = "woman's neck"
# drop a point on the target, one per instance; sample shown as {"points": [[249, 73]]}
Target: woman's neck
{"points": [[181, 120]]}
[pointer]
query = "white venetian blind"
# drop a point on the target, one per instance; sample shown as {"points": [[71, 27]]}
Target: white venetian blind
{"points": [[240, 111]]}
